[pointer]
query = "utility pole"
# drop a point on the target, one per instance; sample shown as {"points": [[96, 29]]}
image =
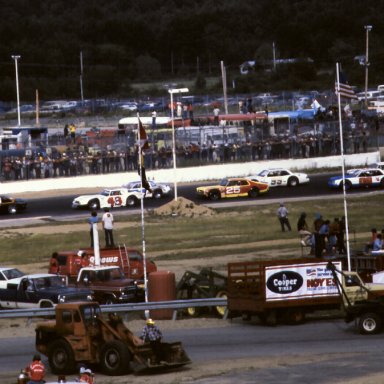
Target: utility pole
{"points": [[367, 28]]}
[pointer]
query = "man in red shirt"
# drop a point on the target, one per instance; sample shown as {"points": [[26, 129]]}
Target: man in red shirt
{"points": [[36, 370]]}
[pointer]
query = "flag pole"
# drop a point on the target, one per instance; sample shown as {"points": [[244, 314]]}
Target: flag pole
{"points": [[140, 152], [343, 166]]}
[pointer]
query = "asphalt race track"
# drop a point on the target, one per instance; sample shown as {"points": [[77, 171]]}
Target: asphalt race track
{"points": [[59, 208]]}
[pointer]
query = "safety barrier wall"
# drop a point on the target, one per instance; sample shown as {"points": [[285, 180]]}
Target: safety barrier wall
{"points": [[193, 174]]}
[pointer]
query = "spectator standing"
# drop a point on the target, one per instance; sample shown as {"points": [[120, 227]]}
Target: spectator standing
{"points": [[303, 229], [107, 221], [154, 115], [282, 214], [216, 112], [72, 131], [323, 236], [316, 228], [378, 243], [93, 219]]}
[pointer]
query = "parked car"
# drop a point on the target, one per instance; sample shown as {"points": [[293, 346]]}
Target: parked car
{"points": [[132, 107], [369, 177], [12, 205], [280, 177], [158, 189], [7, 274], [26, 109], [233, 187]]}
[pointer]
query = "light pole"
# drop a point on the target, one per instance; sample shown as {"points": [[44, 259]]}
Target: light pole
{"points": [[14, 57], [367, 28], [172, 91]]}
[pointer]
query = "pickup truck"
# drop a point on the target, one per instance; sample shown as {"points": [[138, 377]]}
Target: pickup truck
{"points": [[286, 290], [109, 285], [131, 261], [40, 290], [363, 303]]}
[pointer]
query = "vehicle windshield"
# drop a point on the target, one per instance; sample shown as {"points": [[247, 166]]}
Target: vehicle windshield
{"points": [[224, 182], [263, 173], [13, 273], [90, 312], [50, 282]]}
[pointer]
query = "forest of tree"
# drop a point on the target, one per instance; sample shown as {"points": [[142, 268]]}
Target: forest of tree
{"points": [[125, 41]]}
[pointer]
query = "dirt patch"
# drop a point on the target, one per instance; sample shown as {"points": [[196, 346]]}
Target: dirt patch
{"points": [[184, 208]]}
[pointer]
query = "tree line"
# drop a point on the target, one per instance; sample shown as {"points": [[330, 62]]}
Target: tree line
{"points": [[126, 41]]}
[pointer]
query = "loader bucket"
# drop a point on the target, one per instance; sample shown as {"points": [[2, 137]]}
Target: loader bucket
{"points": [[173, 356]]}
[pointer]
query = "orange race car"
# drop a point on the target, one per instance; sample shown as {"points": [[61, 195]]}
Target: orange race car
{"points": [[233, 187]]}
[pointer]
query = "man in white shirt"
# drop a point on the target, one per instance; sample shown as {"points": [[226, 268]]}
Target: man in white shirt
{"points": [[107, 220]]}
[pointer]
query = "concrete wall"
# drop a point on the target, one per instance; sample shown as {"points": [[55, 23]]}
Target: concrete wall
{"points": [[208, 172]]}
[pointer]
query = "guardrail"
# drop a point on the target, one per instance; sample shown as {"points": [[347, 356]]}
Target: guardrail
{"points": [[121, 308]]}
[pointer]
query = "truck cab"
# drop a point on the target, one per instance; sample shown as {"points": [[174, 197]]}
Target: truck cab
{"points": [[109, 285]]}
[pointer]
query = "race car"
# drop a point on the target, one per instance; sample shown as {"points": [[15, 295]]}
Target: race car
{"points": [[233, 187], [368, 177], [281, 177], [159, 190], [12, 205], [108, 198]]}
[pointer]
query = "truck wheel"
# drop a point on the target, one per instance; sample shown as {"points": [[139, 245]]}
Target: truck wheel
{"points": [[294, 316], [61, 358], [370, 323], [221, 309], [115, 358]]}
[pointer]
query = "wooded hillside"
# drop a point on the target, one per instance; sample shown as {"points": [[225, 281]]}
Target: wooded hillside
{"points": [[126, 40]]}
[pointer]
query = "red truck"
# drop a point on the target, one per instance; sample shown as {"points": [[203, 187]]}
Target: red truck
{"points": [[130, 260], [281, 290]]}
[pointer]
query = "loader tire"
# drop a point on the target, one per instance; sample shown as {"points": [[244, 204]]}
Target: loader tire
{"points": [[193, 311], [61, 358], [370, 323], [221, 309], [115, 358]]}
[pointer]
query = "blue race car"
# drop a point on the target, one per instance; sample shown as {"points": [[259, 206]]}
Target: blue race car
{"points": [[371, 177]]}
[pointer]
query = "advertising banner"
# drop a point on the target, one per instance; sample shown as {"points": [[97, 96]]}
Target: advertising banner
{"points": [[300, 281]]}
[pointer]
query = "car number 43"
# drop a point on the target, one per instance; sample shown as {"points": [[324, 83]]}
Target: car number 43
{"points": [[115, 201]]}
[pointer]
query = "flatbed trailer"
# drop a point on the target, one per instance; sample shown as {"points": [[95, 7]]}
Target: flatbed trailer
{"points": [[281, 290]]}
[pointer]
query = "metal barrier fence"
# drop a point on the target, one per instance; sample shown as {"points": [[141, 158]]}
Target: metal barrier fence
{"points": [[120, 308]]}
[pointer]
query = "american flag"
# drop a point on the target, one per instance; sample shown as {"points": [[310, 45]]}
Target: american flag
{"points": [[344, 88]]}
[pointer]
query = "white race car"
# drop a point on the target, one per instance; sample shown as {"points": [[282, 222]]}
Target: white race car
{"points": [[108, 198], [370, 177], [158, 189], [281, 177]]}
